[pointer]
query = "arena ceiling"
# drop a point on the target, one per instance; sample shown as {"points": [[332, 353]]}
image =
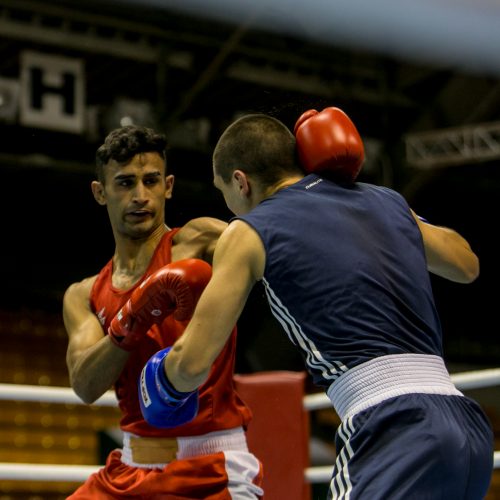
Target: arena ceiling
{"points": [[395, 69], [460, 32]]}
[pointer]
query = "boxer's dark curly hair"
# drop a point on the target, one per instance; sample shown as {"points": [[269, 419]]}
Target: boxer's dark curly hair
{"points": [[122, 144]]}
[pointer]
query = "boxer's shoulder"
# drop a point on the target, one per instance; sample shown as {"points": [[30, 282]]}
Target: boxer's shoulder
{"points": [[81, 288], [197, 238]]}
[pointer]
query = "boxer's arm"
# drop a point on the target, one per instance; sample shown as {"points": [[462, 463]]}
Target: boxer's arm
{"points": [[198, 238], [94, 363], [448, 254], [161, 404], [172, 289], [239, 261]]}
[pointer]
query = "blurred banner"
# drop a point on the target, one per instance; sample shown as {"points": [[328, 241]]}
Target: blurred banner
{"points": [[52, 92]]}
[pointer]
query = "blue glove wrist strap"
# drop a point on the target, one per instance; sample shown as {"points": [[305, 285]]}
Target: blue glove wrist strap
{"points": [[165, 388]]}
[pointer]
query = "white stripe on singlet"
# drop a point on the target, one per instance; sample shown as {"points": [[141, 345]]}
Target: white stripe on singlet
{"points": [[314, 359]]}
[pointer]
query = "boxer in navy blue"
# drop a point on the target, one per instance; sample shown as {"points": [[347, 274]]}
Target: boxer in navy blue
{"points": [[345, 267]]}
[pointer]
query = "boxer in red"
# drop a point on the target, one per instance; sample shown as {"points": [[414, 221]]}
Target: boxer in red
{"points": [[139, 303]]}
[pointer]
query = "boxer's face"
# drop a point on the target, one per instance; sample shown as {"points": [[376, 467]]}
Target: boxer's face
{"points": [[135, 194]]}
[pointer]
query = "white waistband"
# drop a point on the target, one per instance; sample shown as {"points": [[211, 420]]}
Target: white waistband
{"points": [[385, 377], [192, 446]]}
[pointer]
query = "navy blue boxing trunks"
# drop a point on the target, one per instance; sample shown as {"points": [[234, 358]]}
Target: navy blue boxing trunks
{"points": [[429, 445]]}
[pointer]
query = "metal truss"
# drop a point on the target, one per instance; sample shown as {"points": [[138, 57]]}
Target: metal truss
{"points": [[453, 146]]}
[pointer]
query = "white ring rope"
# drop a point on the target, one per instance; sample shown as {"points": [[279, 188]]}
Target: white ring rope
{"points": [[45, 394], [65, 395], [79, 473], [46, 472]]}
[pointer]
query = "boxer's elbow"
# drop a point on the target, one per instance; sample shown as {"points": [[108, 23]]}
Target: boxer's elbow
{"points": [[463, 275], [89, 389], [85, 391], [471, 270], [466, 268]]}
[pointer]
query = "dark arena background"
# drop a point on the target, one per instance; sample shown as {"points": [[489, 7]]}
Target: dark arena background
{"points": [[422, 85]]}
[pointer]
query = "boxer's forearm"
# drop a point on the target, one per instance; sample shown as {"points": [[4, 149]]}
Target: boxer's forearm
{"points": [[96, 369]]}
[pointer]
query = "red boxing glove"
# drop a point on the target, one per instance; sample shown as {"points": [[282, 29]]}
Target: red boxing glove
{"points": [[173, 289], [328, 142]]}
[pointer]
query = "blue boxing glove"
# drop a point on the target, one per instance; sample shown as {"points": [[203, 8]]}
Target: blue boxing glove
{"points": [[162, 405]]}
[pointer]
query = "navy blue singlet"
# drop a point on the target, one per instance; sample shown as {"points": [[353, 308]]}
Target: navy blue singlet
{"points": [[346, 274], [346, 277]]}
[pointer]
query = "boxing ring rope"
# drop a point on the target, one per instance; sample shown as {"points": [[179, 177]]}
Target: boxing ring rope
{"points": [[77, 473]]}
